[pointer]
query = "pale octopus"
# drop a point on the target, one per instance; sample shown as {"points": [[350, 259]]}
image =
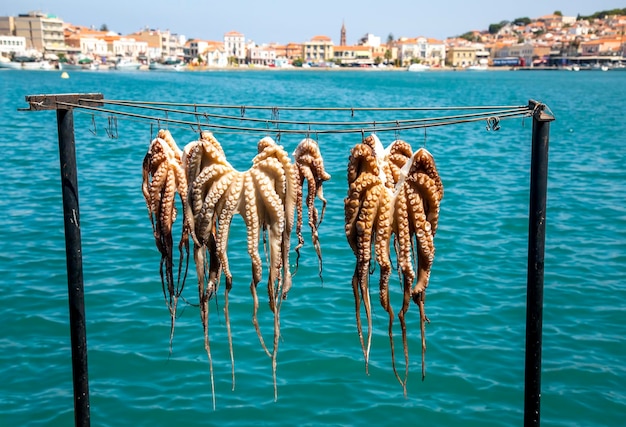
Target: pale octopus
{"points": [[392, 192], [212, 192]]}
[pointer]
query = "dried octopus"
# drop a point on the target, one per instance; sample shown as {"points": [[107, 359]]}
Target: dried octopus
{"points": [[267, 195], [310, 166], [163, 177], [392, 192]]}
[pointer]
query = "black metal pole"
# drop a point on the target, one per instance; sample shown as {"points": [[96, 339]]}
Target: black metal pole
{"points": [[536, 251], [73, 250]]}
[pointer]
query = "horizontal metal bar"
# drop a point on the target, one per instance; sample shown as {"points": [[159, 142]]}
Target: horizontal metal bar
{"points": [[69, 100]]}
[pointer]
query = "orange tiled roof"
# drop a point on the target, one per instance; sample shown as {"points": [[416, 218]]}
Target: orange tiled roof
{"points": [[320, 39]]}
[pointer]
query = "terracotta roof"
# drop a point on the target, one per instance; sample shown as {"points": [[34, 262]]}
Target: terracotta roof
{"points": [[321, 38]]}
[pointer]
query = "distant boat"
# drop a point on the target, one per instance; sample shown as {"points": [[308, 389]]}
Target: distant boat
{"points": [[477, 68], [82, 64], [418, 67], [26, 65], [126, 64], [168, 65], [70, 66]]}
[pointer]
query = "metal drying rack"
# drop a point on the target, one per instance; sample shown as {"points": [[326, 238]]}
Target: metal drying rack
{"points": [[202, 117]]}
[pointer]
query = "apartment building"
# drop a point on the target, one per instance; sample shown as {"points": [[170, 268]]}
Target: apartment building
{"points": [[353, 55], [161, 44], [235, 45], [42, 32], [317, 50], [421, 49], [261, 55]]}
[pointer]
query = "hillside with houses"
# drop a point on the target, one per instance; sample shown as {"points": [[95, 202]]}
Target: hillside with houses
{"points": [[552, 40]]}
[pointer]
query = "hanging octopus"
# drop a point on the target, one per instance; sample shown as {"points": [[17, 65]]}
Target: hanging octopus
{"points": [[310, 166], [212, 192], [368, 212], [396, 193], [265, 196], [163, 177]]}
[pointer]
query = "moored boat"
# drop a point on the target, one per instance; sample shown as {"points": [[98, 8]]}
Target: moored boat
{"points": [[70, 66], [418, 67], [168, 65], [126, 64], [26, 65]]}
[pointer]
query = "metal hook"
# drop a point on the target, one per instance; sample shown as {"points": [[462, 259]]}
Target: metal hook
{"points": [[243, 110], [111, 130], [493, 123], [93, 122]]}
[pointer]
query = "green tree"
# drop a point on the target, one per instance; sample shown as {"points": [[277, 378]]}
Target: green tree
{"points": [[104, 27], [389, 39], [387, 56], [522, 21], [297, 62], [494, 28], [558, 13]]}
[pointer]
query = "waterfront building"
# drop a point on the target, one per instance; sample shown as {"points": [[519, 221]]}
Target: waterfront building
{"points": [[353, 56], [289, 52], [235, 45], [525, 51], [161, 44], [42, 32], [318, 50], [422, 50], [11, 45], [461, 56], [261, 55], [215, 55], [607, 46], [207, 53]]}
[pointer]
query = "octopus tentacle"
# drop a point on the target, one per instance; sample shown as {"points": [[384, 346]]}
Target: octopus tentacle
{"points": [[310, 166]]}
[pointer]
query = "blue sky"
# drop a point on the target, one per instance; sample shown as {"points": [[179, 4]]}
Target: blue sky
{"points": [[285, 21]]}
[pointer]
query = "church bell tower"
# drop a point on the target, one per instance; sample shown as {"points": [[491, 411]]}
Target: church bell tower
{"points": [[342, 39]]}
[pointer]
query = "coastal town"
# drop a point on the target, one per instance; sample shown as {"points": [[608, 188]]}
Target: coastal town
{"points": [[37, 40]]}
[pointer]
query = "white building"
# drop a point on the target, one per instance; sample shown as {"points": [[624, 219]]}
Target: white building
{"points": [[370, 40], [216, 56], [262, 55], [423, 50], [93, 46], [234, 45], [125, 46], [12, 44]]}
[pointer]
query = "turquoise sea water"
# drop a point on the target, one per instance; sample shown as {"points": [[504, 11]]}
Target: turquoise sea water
{"points": [[476, 298]]}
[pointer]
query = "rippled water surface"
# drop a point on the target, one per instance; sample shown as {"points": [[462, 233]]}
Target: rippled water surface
{"points": [[477, 294]]}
